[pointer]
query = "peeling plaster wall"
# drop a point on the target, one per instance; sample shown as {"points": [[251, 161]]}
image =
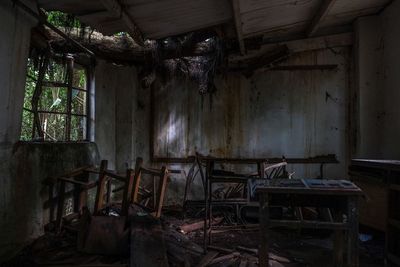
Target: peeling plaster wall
{"points": [[369, 78], [31, 164], [378, 77], [14, 47], [274, 113], [24, 166], [391, 85], [121, 116]]}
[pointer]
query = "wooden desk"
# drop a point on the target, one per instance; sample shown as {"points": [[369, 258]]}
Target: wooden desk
{"points": [[338, 195]]}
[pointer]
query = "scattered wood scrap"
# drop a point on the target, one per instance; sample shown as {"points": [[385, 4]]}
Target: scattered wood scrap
{"points": [[207, 258], [147, 243], [190, 227]]}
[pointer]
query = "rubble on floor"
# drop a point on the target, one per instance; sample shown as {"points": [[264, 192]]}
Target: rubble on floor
{"points": [[176, 242]]}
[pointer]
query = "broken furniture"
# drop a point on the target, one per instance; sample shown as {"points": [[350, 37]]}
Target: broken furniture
{"points": [[79, 179], [199, 162], [266, 169], [105, 178], [340, 196], [214, 176], [158, 191], [380, 181]]}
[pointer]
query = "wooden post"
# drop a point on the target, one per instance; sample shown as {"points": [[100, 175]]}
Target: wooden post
{"points": [[100, 187], [161, 190], [136, 180], [264, 230]]}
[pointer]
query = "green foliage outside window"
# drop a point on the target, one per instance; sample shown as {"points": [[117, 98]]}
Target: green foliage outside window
{"points": [[53, 104]]}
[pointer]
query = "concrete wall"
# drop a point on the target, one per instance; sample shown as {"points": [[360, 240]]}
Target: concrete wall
{"points": [[291, 113], [378, 78]]}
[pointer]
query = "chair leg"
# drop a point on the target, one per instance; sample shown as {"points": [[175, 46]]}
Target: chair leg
{"points": [[100, 187], [136, 180], [60, 205], [161, 191]]}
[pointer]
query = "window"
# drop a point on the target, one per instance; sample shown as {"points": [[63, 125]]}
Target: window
{"points": [[56, 100]]}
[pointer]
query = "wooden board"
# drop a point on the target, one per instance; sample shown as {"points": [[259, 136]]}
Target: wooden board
{"points": [[147, 243], [373, 207]]}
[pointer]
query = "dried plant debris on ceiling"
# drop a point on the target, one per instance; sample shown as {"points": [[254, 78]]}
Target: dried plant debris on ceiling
{"points": [[196, 56]]}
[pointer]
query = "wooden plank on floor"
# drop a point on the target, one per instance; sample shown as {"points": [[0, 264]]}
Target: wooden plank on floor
{"points": [[207, 258], [147, 243]]}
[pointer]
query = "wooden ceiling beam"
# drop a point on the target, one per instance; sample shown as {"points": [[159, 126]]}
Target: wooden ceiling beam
{"points": [[321, 14], [117, 11], [238, 24]]}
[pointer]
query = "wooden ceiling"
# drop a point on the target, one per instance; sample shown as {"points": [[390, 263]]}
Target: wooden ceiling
{"points": [[155, 19]]}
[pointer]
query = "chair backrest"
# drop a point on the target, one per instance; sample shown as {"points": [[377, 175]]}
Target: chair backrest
{"points": [[275, 171], [159, 195], [105, 177]]}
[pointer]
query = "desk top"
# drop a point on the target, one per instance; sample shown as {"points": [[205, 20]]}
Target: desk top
{"points": [[305, 186], [376, 163]]}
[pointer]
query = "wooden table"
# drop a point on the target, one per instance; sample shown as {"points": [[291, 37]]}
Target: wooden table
{"points": [[340, 196]]}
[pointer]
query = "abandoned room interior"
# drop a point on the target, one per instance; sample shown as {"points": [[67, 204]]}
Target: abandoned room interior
{"points": [[144, 133]]}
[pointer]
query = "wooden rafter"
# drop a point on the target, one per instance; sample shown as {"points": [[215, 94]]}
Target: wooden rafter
{"points": [[116, 9], [238, 24], [321, 14]]}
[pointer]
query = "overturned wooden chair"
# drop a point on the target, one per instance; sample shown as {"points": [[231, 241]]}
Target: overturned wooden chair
{"points": [[103, 194], [132, 191], [79, 179], [158, 192]]}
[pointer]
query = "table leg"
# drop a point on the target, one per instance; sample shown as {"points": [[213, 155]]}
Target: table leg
{"points": [[264, 231], [352, 214], [338, 248]]}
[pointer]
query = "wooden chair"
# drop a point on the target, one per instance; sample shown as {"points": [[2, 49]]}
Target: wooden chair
{"points": [[158, 193], [103, 194], [79, 179]]}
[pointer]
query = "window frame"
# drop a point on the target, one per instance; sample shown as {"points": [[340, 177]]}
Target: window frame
{"points": [[38, 134]]}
